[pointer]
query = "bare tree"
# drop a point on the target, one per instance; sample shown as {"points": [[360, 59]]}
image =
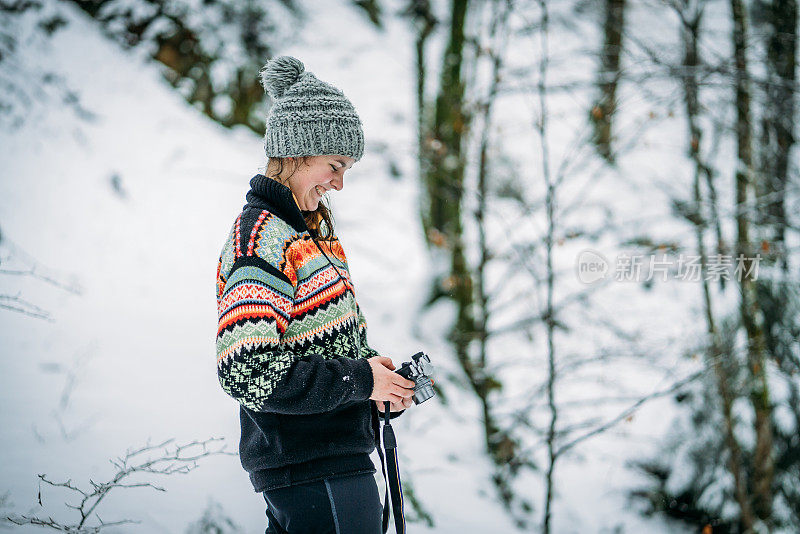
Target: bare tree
{"points": [[690, 14], [166, 458], [15, 262], [501, 445], [536, 259], [759, 465], [63, 412]]}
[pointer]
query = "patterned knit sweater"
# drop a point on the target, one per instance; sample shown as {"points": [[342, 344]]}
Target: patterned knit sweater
{"points": [[292, 346]]}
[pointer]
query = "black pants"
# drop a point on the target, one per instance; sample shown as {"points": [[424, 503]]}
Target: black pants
{"points": [[343, 505]]}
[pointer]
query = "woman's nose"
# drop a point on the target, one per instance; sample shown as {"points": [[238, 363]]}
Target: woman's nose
{"points": [[337, 183]]}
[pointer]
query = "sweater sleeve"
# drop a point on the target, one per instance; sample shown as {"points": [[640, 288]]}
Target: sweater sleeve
{"points": [[252, 366]]}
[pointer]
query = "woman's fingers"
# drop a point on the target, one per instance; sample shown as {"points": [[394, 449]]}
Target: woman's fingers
{"points": [[402, 392], [402, 405], [386, 362], [403, 382], [395, 406]]}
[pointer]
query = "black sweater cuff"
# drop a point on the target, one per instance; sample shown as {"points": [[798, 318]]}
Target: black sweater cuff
{"points": [[364, 381]]}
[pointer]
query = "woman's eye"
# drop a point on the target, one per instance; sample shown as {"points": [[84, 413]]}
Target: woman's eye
{"points": [[333, 167]]}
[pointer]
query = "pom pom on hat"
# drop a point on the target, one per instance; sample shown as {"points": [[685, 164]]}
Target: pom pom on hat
{"points": [[279, 74]]}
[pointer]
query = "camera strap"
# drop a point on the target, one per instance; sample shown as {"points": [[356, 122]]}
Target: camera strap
{"points": [[391, 475]]}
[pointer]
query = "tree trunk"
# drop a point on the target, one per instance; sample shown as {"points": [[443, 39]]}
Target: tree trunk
{"points": [[690, 31], [550, 202], [443, 177], [780, 21], [424, 22], [778, 122], [603, 111], [763, 464]]}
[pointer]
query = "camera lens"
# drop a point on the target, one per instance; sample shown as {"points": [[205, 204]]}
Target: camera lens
{"points": [[423, 392]]}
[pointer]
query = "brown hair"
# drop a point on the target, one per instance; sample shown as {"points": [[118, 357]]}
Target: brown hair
{"points": [[313, 218]]}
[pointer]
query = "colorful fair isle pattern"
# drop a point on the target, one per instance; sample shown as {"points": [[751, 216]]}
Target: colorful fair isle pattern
{"points": [[278, 300]]}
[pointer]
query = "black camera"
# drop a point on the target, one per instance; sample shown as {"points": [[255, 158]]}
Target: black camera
{"points": [[419, 370]]}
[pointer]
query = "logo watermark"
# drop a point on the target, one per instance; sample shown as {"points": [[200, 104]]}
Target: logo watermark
{"points": [[591, 267]]}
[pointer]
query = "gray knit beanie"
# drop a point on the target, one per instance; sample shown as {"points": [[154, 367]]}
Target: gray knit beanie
{"points": [[308, 117]]}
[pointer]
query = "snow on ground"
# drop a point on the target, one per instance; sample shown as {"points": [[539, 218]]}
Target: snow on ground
{"points": [[139, 339]]}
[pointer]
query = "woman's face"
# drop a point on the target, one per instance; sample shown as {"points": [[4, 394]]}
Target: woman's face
{"points": [[323, 173]]}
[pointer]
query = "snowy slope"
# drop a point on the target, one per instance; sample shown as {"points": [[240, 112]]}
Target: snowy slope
{"points": [[139, 336]]}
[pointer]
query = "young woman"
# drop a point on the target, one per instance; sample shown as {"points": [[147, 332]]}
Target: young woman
{"points": [[291, 341]]}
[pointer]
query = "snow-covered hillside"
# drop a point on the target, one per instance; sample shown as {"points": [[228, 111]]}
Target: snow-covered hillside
{"points": [[113, 186]]}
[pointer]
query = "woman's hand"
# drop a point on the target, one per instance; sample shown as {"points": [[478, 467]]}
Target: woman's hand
{"points": [[395, 406], [389, 386]]}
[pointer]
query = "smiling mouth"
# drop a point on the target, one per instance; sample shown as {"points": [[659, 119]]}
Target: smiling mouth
{"points": [[320, 190]]}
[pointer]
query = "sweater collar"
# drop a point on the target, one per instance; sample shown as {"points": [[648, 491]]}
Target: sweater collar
{"points": [[273, 196]]}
